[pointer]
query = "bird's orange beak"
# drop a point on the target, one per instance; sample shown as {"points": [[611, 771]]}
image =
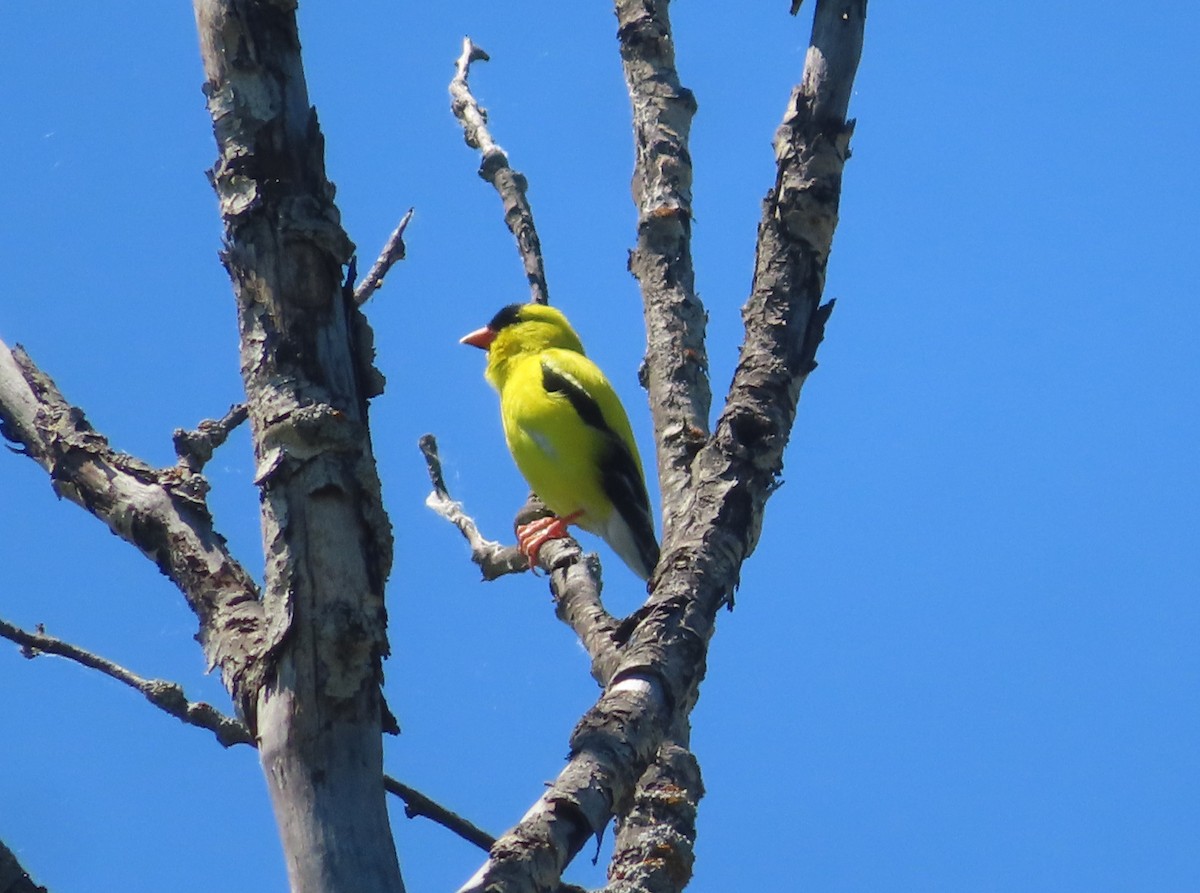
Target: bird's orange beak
{"points": [[481, 338]]}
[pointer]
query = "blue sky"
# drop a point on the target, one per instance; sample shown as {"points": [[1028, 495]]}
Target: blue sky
{"points": [[964, 656]]}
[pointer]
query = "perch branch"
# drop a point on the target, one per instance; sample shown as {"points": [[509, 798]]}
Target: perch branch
{"points": [[494, 167], [574, 577], [494, 559], [393, 251], [576, 588]]}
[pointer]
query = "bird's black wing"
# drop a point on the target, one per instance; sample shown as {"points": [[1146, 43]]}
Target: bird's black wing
{"points": [[620, 477]]}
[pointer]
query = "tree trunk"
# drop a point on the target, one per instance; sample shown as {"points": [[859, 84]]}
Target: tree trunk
{"points": [[305, 358]]}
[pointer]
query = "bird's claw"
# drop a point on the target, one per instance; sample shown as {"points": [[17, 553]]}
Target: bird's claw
{"points": [[532, 536]]}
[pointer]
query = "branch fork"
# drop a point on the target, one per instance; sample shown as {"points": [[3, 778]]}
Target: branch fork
{"points": [[632, 742]]}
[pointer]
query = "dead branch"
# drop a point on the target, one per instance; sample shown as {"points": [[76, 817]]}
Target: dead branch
{"points": [[494, 560], [653, 845], [417, 804], [494, 167], [655, 684], [574, 576], [166, 696], [160, 511], [393, 252], [196, 448], [305, 354], [170, 698], [675, 369]]}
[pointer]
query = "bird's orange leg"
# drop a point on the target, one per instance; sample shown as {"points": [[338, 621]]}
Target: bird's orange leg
{"points": [[532, 536]]}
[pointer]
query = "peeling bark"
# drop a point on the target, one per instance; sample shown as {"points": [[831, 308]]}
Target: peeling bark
{"points": [[653, 848], [306, 364], [675, 369], [161, 511]]}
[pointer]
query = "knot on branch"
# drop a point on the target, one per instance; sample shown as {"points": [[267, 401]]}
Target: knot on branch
{"points": [[643, 30], [809, 183], [196, 448], [493, 160], [754, 436], [304, 432]]}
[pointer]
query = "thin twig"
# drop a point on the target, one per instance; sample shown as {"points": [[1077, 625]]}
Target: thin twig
{"points": [[494, 559], [417, 804], [494, 167], [196, 448], [170, 698], [392, 252], [574, 576], [167, 696]]}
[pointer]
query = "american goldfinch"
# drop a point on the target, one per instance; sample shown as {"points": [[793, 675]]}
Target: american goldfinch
{"points": [[568, 433]]}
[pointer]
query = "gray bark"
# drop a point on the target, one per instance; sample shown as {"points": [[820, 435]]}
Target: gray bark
{"points": [[160, 511], [510, 184], [675, 370], [306, 364], [302, 659]]}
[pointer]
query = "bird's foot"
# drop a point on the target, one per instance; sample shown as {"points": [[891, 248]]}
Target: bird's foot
{"points": [[532, 536]]}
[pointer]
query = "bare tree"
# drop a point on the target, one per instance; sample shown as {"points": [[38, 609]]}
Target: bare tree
{"points": [[301, 659]]}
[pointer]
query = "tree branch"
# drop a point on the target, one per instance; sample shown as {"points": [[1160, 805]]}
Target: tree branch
{"points": [[494, 560], [653, 850], [734, 473], [494, 167], [196, 448], [611, 746], [574, 577], [575, 586], [160, 511], [393, 251], [783, 317], [675, 370], [167, 696], [305, 358], [170, 698], [14, 878], [417, 804]]}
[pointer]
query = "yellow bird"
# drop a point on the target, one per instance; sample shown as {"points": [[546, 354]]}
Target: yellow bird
{"points": [[568, 433]]}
